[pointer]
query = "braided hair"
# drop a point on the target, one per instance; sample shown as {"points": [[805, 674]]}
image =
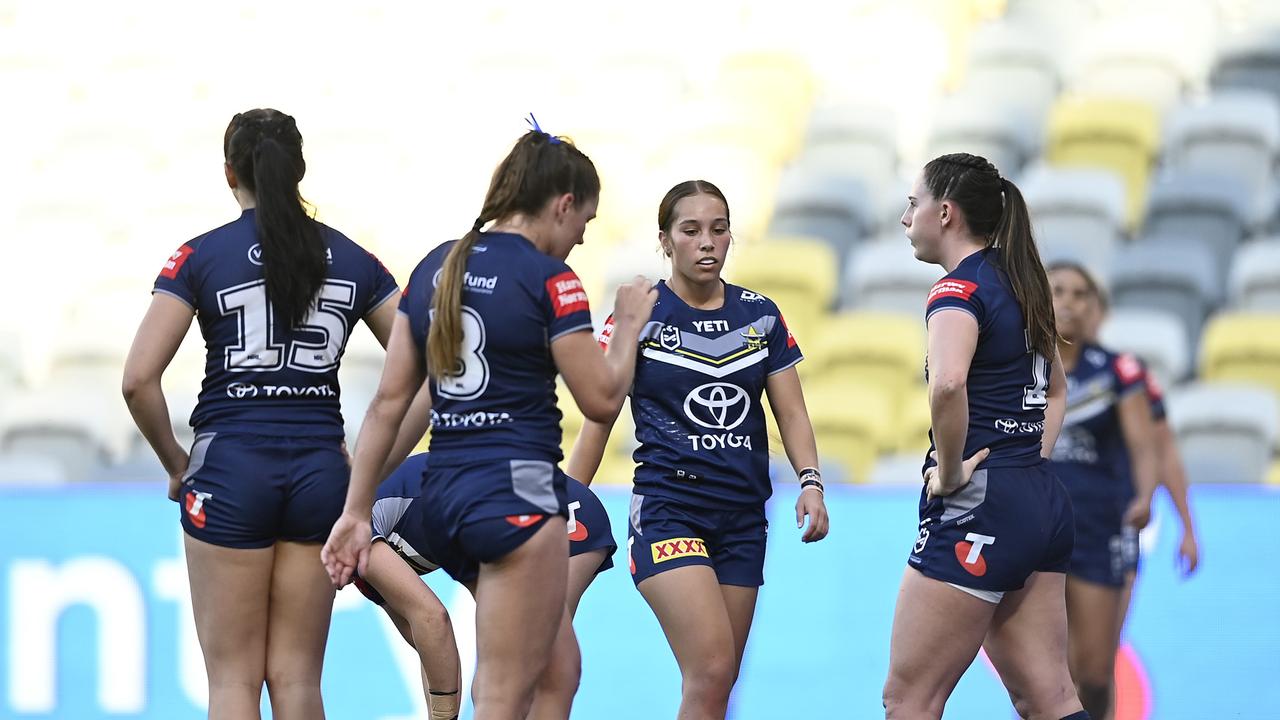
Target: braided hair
{"points": [[264, 149], [995, 210]]}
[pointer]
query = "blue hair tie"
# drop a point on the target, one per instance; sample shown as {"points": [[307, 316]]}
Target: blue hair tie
{"points": [[533, 123]]}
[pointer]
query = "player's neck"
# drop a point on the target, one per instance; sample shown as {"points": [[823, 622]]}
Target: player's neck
{"points": [[701, 296], [955, 252], [245, 198], [530, 228], [1070, 353]]}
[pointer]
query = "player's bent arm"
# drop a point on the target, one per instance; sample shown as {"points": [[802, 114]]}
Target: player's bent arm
{"points": [[598, 381], [402, 376], [382, 319], [786, 397], [1055, 411], [952, 339], [588, 450], [156, 342], [416, 422], [1140, 438]]}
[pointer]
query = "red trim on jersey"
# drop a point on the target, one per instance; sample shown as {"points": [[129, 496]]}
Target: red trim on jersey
{"points": [[1128, 369], [791, 340], [606, 334], [1154, 391], [567, 295], [951, 288], [176, 261]]}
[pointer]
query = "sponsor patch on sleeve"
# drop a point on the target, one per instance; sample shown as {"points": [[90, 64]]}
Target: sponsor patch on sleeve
{"points": [[176, 261], [1154, 389], [952, 288], [1128, 369], [606, 334], [791, 339], [567, 294]]}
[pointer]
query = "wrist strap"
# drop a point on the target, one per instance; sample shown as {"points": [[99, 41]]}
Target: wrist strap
{"points": [[810, 477]]}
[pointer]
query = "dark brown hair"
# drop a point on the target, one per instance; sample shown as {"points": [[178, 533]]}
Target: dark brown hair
{"points": [[994, 209], [264, 149], [538, 168], [688, 188]]}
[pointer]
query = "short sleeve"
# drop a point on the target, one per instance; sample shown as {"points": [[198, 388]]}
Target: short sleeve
{"points": [[1155, 394], [175, 277], [784, 352], [566, 306], [1130, 374], [955, 293], [606, 333], [384, 285], [415, 304]]}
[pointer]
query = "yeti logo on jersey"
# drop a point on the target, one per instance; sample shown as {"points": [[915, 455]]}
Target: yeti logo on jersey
{"points": [[669, 337], [969, 553], [195, 506], [717, 406]]}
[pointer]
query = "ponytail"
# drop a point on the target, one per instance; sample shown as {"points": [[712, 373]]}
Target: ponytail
{"points": [[264, 148], [1025, 270], [977, 187], [538, 168]]}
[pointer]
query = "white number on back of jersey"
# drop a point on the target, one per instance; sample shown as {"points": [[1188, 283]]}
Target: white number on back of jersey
{"points": [[1034, 396], [258, 350], [472, 378]]}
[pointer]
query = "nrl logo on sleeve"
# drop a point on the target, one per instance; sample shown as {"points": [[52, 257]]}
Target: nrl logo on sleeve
{"points": [[669, 337]]}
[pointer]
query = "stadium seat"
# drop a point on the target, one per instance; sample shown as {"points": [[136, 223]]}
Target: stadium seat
{"points": [[798, 274], [851, 421], [1255, 276], [898, 469], [836, 209], [1225, 431], [1234, 134], [1212, 211], [1176, 276], [1150, 57], [1157, 336], [1014, 63], [967, 123], [1273, 474], [885, 276], [852, 138], [882, 349], [914, 421], [1077, 214], [781, 80], [1119, 135], [1249, 61], [56, 431], [1242, 347]]}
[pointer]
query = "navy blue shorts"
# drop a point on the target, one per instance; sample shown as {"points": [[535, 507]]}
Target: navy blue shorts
{"points": [[997, 530], [249, 491], [478, 512], [588, 529], [665, 534], [1104, 551]]}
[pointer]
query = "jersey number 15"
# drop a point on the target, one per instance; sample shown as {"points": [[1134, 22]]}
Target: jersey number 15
{"points": [[257, 349]]}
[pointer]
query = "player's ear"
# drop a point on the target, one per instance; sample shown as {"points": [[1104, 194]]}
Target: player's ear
{"points": [[664, 243], [232, 182], [562, 205], [945, 212]]}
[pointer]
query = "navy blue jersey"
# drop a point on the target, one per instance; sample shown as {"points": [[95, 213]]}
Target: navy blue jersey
{"points": [[1091, 457], [696, 398], [516, 301], [259, 375], [1155, 395], [1008, 381]]}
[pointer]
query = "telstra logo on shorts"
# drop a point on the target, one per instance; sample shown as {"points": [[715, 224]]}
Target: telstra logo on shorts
{"points": [[969, 553], [677, 548]]}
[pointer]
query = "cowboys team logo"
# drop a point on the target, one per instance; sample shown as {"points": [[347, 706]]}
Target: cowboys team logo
{"points": [[717, 406], [669, 337], [754, 338]]}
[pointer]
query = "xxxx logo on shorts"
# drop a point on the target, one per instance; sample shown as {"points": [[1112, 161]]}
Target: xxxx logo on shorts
{"points": [[678, 548]]}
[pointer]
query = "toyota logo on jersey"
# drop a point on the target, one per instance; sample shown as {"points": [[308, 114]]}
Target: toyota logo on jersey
{"points": [[717, 406]]}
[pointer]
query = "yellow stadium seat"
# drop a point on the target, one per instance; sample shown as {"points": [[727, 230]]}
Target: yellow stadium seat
{"points": [[1242, 347], [914, 421], [1273, 475], [851, 422], [777, 87], [884, 349], [799, 274], [1119, 135]]}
